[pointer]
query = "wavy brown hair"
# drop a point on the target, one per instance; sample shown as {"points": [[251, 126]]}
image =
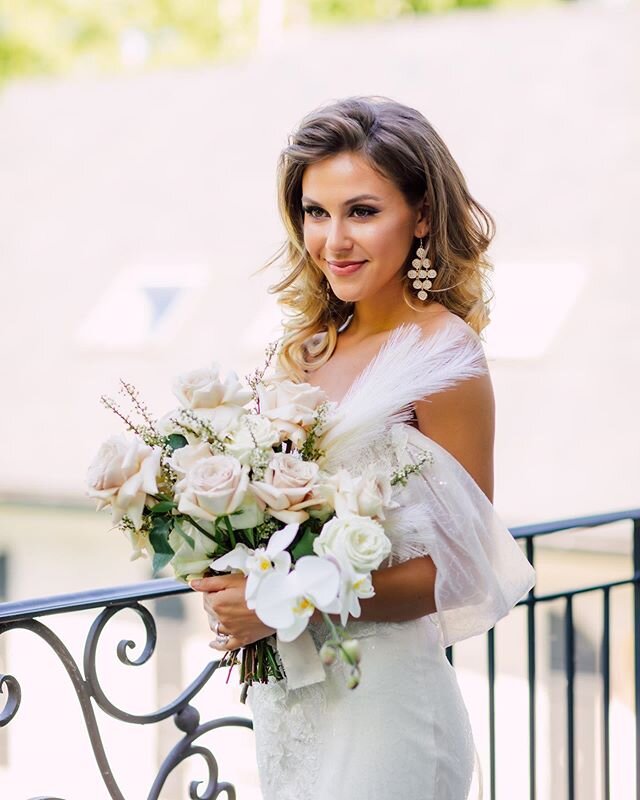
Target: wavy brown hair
{"points": [[403, 146]]}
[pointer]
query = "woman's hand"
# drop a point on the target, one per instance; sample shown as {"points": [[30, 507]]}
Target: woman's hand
{"points": [[223, 600]]}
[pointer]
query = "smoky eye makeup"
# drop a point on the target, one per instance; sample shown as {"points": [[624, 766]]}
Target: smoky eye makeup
{"points": [[310, 210], [360, 212]]}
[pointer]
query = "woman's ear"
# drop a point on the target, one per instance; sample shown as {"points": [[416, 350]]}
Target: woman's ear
{"points": [[422, 220]]}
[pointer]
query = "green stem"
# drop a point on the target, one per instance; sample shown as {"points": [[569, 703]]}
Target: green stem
{"points": [[275, 669], [332, 628], [202, 530], [232, 537]]}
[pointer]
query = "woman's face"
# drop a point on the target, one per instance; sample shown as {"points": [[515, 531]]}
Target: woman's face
{"points": [[358, 226]]}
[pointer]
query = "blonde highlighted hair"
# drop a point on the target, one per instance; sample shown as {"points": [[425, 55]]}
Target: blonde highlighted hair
{"points": [[403, 146]]}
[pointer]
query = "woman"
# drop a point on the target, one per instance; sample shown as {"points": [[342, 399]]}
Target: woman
{"points": [[385, 291]]}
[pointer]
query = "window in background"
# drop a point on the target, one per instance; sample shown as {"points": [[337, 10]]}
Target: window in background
{"points": [[150, 303]]}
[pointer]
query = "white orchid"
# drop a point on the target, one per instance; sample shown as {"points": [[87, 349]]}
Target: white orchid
{"points": [[354, 586], [287, 601], [259, 563]]}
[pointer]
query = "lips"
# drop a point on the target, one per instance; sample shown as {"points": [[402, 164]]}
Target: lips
{"points": [[344, 267]]}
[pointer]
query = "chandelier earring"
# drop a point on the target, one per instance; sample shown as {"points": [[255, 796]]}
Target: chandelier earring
{"points": [[421, 273]]}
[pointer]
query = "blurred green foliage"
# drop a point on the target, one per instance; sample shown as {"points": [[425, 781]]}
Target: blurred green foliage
{"points": [[54, 36], [60, 36]]}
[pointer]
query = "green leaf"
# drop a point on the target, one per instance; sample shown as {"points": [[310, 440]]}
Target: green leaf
{"points": [[160, 561], [232, 537], [159, 535], [304, 545], [176, 441], [163, 506]]}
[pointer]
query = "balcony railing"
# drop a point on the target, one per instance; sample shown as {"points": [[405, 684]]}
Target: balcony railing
{"points": [[28, 615]]}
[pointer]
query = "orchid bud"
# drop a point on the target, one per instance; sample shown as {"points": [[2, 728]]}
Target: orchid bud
{"points": [[351, 649], [328, 654], [354, 679]]}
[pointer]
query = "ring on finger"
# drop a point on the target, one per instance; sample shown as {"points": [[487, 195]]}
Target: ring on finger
{"points": [[221, 638]]}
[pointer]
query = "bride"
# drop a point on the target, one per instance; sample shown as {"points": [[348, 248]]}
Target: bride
{"points": [[385, 294]]}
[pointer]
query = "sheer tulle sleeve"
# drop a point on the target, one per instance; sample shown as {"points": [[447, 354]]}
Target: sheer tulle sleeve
{"points": [[481, 570]]}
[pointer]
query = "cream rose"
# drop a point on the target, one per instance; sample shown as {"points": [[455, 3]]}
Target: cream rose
{"points": [[184, 458], [123, 473], [212, 487], [290, 486], [360, 540], [204, 388], [291, 407], [366, 495], [252, 431]]}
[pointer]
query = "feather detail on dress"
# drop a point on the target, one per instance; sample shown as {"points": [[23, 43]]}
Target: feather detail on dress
{"points": [[405, 526], [407, 368]]}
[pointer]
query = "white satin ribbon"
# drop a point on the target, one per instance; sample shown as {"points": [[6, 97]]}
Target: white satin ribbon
{"points": [[301, 661]]}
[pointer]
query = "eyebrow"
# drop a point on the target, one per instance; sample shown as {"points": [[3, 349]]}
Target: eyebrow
{"points": [[349, 202]]}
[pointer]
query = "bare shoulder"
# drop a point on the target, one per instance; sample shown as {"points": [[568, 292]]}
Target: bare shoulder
{"points": [[462, 419], [443, 319]]}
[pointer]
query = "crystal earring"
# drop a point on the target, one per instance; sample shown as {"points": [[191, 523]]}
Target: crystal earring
{"points": [[421, 273]]}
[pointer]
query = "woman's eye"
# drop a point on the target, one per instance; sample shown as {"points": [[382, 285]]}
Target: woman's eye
{"points": [[311, 211], [359, 212], [364, 211]]}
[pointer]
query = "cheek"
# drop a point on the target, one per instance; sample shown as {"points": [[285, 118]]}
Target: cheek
{"points": [[314, 241], [391, 241]]}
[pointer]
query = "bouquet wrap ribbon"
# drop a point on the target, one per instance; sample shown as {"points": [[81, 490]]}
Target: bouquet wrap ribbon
{"points": [[301, 661]]}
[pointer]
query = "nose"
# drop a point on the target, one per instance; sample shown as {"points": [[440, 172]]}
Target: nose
{"points": [[338, 238]]}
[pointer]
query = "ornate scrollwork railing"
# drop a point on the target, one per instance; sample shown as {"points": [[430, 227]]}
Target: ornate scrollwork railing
{"points": [[25, 615]]}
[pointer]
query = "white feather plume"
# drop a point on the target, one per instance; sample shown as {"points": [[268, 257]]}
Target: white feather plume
{"points": [[407, 368], [409, 531]]}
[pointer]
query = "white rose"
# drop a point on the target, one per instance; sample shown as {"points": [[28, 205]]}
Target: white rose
{"points": [[213, 487], [360, 540], [366, 495], [191, 562], [289, 486], [204, 388], [291, 406], [253, 431], [184, 458], [121, 475]]}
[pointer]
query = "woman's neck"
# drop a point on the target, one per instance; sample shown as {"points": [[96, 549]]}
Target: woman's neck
{"points": [[366, 320]]}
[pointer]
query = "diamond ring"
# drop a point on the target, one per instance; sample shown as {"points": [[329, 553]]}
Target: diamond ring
{"points": [[221, 638]]}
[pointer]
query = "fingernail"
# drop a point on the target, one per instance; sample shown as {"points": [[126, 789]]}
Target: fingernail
{"points": [[194, 584]]}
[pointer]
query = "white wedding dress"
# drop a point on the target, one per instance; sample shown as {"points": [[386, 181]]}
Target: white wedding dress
{"points": [[404, 732]]}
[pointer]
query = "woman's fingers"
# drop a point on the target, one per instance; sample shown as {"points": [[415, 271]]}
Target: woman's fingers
{"points": [[224, 639], [213, 584], [230, 644]]}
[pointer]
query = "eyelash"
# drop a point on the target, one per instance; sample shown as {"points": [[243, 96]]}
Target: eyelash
{"points": [[370, 211]]}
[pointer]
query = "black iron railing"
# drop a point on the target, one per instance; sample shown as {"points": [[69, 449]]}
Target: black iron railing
{"points": [[28, 614], [530, 533]]}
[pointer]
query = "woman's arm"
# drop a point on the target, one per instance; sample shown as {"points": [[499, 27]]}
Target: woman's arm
{"points": [[461, 420]]}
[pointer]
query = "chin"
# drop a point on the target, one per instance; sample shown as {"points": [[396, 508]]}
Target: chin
{"points": [[347, 297]]}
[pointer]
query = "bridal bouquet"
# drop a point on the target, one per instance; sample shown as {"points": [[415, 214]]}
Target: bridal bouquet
{"points": [[241, 477]]}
